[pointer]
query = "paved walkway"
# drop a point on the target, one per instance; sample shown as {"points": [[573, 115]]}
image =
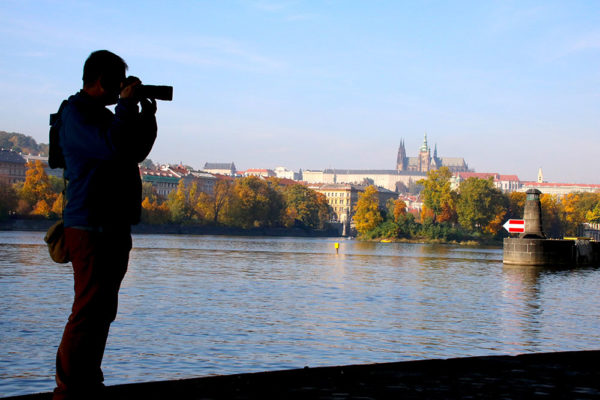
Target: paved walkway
{"points": [[564, 375]]}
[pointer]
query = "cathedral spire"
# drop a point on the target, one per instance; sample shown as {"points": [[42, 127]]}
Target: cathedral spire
{"points": [[424, 147], [401, 161]]}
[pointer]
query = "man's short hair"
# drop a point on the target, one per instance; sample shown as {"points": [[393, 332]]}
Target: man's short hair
{"points": [[103, 63]]}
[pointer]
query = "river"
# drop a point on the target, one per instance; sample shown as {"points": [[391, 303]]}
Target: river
{"points": [[205, 305]]}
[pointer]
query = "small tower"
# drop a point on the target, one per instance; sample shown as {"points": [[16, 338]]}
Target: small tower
{"points": [[540, 176], [533, 216]]}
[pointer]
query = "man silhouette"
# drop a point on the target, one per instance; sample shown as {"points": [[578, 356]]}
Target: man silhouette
{"points": [[101, 153]]}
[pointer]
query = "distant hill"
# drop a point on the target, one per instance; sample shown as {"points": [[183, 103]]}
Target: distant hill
{"points": [[22, 143]]}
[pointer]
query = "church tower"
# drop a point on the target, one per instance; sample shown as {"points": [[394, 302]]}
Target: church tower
{"points": [[424, 156], [402, 161]]}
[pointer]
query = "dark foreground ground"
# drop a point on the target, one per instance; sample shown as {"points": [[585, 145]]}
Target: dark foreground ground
{"points": [[564, 375]]}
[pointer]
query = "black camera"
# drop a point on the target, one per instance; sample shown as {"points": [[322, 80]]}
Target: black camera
{"points": [[155, 92], [151, 91]]}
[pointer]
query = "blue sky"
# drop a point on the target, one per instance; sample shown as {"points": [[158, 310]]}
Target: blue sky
{"points": [[511, 86]]}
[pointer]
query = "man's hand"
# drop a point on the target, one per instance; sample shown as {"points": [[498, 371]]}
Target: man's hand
{"points": [[148, 106], [128, 89]]}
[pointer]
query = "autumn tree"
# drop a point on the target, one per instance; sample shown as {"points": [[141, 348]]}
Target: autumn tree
{"points": [[36, 192], [576, 207], [396, 208], [59, 205], [302, 207], [437, 195], [366, 212], [593, 216], [516, 205], [213, 205], [154, 212], [479, 204], [255, 203], [552, 215], [180, 208]]}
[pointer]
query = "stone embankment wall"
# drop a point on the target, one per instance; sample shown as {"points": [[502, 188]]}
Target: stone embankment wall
{"points": [[41, 225], [551, 252]]}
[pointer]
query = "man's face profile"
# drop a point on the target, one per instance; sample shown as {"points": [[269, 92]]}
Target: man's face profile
{"points": [[112, 85]]}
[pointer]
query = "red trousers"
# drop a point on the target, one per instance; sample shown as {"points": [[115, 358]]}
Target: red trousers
{"points": [[99, 264]]}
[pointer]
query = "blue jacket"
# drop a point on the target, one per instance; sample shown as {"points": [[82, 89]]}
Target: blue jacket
{"points": [[102, 151]]}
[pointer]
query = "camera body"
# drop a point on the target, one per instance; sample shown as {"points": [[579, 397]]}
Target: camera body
{"points": [[151, 91], [155, 92]]}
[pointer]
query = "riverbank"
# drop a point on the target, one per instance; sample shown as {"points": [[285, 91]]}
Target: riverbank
{"points": [[482, 242], [42, 225], [567, 375]]}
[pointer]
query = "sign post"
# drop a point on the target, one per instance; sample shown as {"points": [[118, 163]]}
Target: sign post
{"points": [[515, 225]]}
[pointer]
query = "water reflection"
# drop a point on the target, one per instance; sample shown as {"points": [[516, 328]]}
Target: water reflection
{"points": [[201, 305]]}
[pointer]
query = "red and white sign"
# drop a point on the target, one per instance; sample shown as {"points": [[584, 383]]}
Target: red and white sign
{"points": [[515, 225]]}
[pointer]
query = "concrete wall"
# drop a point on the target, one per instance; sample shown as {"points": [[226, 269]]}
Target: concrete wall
{"points": [[550, 252]]}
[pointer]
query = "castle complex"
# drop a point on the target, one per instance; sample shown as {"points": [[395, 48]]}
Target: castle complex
{"points": [[425, 162], [408, 170]]}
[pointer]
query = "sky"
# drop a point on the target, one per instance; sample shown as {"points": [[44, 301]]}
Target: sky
{"points": [[510, 86]]}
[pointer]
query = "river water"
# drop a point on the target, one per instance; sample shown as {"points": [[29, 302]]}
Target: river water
{"points": [[204, 305]]}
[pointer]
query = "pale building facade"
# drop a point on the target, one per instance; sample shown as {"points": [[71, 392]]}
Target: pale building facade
{"points": [[559, 188], [388, 179], [262, 172], [220, 168], [505, 183], [163, 182], [282, 172], [343, 198]]}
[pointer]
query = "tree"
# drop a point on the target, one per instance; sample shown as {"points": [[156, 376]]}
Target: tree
{"points": [[255, 203], [552, 211], [8, 200], [214, 204], [178, 204], [593, 216], [37, 186], [516, 204], [155, 213], [479, 204], [366, 212], [149, 191], [41, 208], [58, 205], [437, 195], [302, 207], [576, 207], [398, 209]]}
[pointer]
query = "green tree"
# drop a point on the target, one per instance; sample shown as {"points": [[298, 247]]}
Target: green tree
{"points": [[437, 195], [479, 203], [366, 212]]}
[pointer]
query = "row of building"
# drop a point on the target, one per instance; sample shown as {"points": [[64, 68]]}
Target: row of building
{"points": [[340, 186]]}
